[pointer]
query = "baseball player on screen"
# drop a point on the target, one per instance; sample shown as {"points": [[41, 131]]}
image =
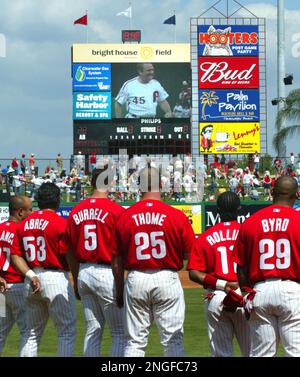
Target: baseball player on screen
{"points": [[152, 240], [267, 252], [210, 264], [41, 258], [92, 240], [141, 95], [12, 280]]}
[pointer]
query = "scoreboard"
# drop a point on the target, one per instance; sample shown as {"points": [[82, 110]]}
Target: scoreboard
{"points": [[138, 136], [103, 124]]}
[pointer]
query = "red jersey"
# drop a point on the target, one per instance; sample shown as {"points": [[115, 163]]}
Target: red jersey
{"points": [[41, 239], [268, 245], [213, 251], [8, 240], [154, 235], [91, 229]]}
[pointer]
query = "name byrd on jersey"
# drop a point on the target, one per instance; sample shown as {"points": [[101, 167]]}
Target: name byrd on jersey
{"points": [[275, 225]]}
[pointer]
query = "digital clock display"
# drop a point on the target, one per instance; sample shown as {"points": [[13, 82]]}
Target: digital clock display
{"points": [[131, 36]]}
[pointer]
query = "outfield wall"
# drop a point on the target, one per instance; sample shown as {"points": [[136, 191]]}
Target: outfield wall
{"points": [[202, 216]]}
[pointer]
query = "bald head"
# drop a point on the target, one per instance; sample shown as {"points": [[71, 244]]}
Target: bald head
{"points": [[19, 207], [285, 189]]}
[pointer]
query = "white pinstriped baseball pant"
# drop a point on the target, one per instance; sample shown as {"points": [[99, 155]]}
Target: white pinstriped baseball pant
{"points": [[276, 317], [56, 299], [154, 295], [15, 312], [223, 326], [97, 290]]}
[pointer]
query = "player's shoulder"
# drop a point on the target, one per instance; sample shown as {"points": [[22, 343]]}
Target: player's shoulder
{"points": [[8, 226], [130, 82]]}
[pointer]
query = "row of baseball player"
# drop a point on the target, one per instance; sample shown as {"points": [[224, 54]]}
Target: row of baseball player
{"points": [[100, 240]]}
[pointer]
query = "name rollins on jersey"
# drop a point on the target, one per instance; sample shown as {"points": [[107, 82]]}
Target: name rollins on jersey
{"points": [[149, 218], [36, 224], [221, 235], [90, 214]]}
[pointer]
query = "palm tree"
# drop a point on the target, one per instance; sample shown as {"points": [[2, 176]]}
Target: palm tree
{"points": [[290, 113], [208, 98]]}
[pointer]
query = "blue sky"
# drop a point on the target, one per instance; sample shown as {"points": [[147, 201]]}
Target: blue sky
{"points": [[35, 96]]}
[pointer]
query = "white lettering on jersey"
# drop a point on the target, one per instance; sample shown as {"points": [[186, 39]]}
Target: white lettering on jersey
{"points": [[221, 236], [149, 218], [90, 214], [275, 225], [40, 224], [7, 237]]}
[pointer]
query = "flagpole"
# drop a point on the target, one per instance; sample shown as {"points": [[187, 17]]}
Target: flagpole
{"points": [[130, 18], [87, 26], [175, 28]]}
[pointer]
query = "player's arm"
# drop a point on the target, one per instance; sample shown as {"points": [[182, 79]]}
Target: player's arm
{"points": [[211, 282], [20, 264], [164, 105], [74, 268], [118, 272], [3, 285], [243, 278], [118, 109]]}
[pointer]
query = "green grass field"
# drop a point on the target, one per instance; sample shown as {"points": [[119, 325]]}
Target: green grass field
{"points": [[195, 333]]}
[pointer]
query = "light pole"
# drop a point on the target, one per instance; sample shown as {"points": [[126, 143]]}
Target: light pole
{"points": [[281, 67]]}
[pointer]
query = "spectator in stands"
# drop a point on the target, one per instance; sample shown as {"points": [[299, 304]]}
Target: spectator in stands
{"points": [[32, 163], [267, 181], [247, 182], [233, 183], [15, 165], [93, 160], [59, 163], [256, 162], [23, 164]]}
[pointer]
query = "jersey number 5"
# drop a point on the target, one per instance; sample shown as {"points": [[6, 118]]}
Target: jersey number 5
{"points": [[144, 240]]}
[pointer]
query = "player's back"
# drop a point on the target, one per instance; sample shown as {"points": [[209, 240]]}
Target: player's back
{"points": [[154, 235], [41, 238], [213, 251], [8, 238], [269, 244], [91, 229]]}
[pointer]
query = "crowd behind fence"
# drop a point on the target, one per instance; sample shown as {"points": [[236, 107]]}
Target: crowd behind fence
{"points": [[183, 177]]}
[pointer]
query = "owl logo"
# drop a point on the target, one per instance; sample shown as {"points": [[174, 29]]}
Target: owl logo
{"points": [[221, 46]]}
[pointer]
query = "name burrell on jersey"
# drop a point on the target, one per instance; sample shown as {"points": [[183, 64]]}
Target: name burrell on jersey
{"points": [[149, 218], [90, 214]]}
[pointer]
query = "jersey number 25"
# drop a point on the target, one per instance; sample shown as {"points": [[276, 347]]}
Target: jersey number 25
{"points": [[144, 240]]}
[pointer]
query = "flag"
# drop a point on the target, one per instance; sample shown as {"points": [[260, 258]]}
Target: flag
{"points": [[126, 13], [82, 20], [170, 21]]}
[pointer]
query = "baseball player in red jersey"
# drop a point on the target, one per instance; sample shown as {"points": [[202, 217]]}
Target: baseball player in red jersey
{"points": [[12, 280], [92, 240], [267, 252], [211, 265], [41, 255], [152, 240]]}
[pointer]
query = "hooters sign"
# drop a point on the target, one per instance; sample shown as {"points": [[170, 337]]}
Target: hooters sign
{"points": [[228, 72]]}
